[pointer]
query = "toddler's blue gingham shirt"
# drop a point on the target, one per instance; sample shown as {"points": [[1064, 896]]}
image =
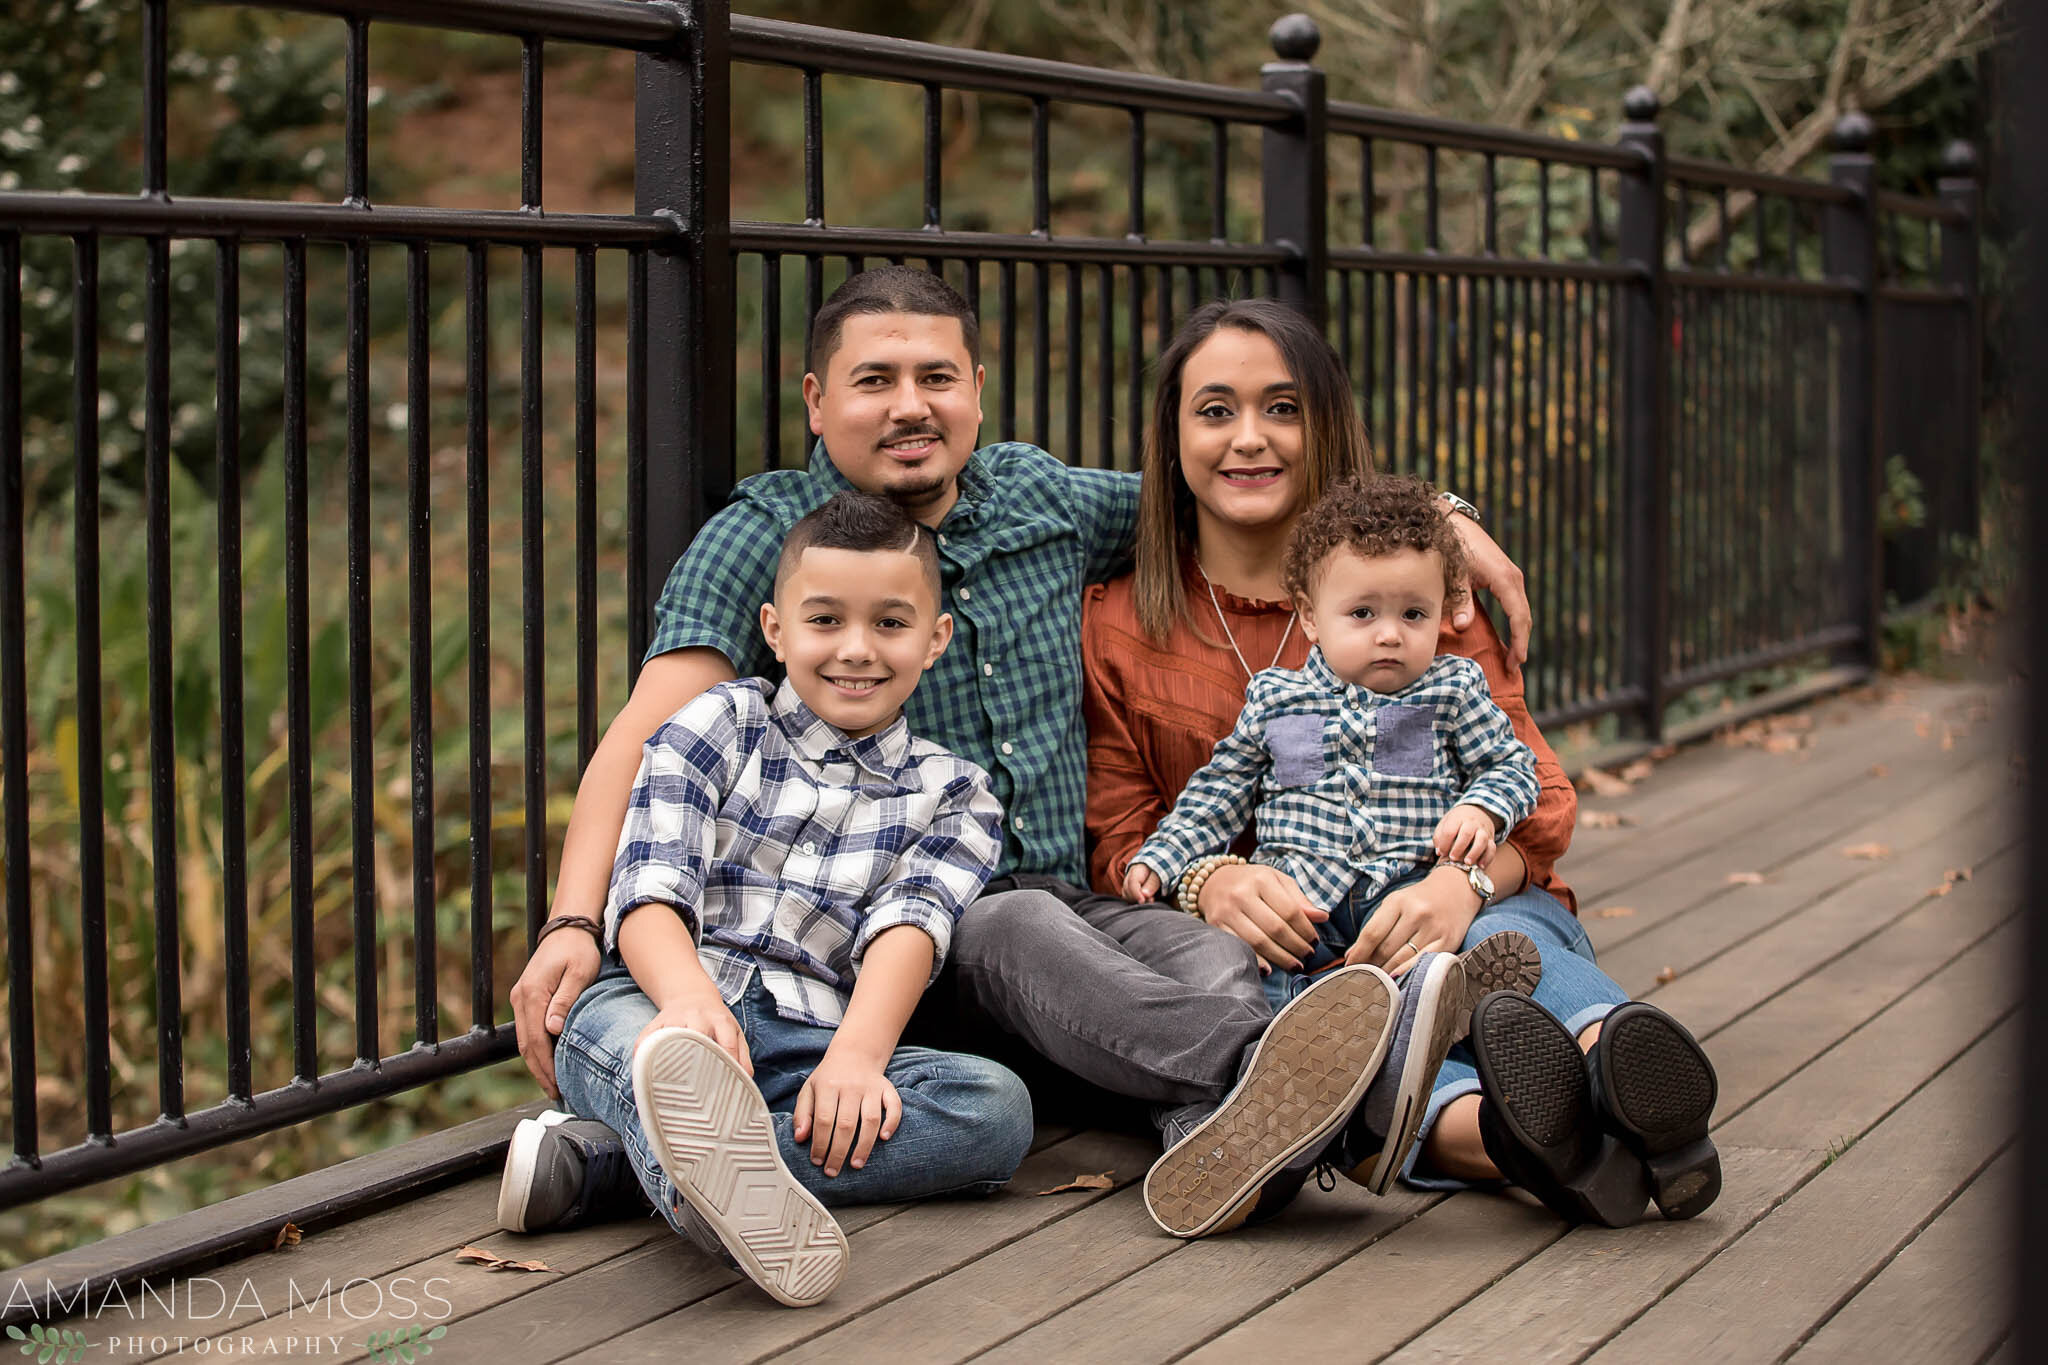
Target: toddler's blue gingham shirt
{"points": [[788, 846], [1349, 783]]}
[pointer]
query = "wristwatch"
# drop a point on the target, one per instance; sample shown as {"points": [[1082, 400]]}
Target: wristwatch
{"points": [[1476, 875], [1463, 508]]}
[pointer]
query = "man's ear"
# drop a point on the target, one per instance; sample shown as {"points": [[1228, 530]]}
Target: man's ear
{"points": [[771, 630], [980, 378], [1306, 617], [814, 397], [942, 635]]}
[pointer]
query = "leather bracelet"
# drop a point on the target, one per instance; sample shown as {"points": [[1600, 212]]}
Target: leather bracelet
{"points": [[565, 921], [1189, 896]]}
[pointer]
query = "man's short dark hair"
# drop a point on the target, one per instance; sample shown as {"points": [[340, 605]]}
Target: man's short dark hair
{"points": [[866, 522], [888, 289]]}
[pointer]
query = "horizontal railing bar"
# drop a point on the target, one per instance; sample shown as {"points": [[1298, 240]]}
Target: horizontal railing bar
{"points": [[798, 239], [1920, 206], [1693, 171], [1619, 699], [1829, 638], [612, 23], [1501, 267], [141, 1148], [1923, 294], [900, 59], [1746, 282], [264, 220], [1365, 120]]}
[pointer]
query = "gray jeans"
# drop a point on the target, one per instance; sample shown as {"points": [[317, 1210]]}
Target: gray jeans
{"points": [[1141, 1000]]}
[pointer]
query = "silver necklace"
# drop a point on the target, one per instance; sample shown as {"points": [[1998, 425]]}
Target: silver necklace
{"points": [[1224, 621]]}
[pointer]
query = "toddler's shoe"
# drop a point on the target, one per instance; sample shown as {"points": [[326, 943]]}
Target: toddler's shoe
{"points": [[1655, 1089], [711, 1131], [1304, 1078], [1437, 997], [561, 1171], [1538, 1120]]}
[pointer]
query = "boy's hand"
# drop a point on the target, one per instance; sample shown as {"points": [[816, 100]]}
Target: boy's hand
{"points": [[1465, 836], [845, 1105], [1141, 884], [709, 1017]]}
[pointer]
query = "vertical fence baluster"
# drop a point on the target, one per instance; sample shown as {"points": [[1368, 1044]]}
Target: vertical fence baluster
{"points": [[532, 568], [361, 715], [934, 144], [234, 825], [92, 826], [419, 556], [298, 665], [1006, 412], [21, 1018], [1074, 386], [1105, 343], [1293, 168], [477, 493], [1646, 332]]}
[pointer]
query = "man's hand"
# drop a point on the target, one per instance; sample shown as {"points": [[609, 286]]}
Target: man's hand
{"points": [[1428, 916], [705, 1014], [1264, 907], [1465, 835], [1141, 884], [1491, 569], [561, 966], [845, 1106]]}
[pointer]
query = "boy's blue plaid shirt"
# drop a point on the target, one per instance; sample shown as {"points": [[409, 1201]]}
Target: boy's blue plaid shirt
{"points": [[1349, 783], [1026, 536], [788, 847]]}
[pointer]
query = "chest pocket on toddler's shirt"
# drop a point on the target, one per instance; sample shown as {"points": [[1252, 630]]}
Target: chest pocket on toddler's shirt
{"points": [[1405, 745], [1296, 743]]}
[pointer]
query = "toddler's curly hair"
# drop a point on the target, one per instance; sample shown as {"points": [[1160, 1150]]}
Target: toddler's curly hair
{"points": [[1375, 517]]}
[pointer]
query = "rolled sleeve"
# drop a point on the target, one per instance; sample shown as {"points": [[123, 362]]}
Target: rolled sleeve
{"points": [[665, 845], [1105, 510], [941, 872]]}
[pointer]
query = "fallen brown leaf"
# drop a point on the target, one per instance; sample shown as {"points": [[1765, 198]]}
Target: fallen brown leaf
{"points": [[1616, 912], [1667, 976], [1638, 770], [287, 1236], [491, 1260], [1924, 726], [1745, 879], [1880, 770], [1873, 852], [1083, 1182], [1941, 890], [1948, 739], [1604, 819], [1602, 783], [1784, 744], [1956, 874], [1663, 751]]}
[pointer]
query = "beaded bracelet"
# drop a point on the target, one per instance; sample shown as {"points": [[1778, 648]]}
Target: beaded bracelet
{"points": [[1189, 897]]}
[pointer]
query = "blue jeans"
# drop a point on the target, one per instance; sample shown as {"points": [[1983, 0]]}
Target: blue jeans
{"points": [[966, 1121], [1573, 990]]}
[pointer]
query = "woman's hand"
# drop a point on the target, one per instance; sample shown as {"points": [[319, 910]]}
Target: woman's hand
{"points": [[1429, 916], [562, 964], [1141, 884], [1465, 835], [844, 1107], [1490, 568], [705, 1014], [1264, 907]]}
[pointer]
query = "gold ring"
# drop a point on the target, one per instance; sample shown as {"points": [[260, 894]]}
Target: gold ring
{"points": [[1413, 949]]}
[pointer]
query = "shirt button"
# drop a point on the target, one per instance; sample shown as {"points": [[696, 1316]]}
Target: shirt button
{"points": [[1017, 823], [942, 538], [1010, 748], [810, 847], [988, 670], [964, 595]]}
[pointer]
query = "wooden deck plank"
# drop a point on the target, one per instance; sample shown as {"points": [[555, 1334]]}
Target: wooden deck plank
{"points": [[1960, 1261], [1794, 1268], [926, 1240]]}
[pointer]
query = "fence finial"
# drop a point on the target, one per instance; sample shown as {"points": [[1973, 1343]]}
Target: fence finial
{"points": [[1295, 38], [1959, 159], [1641, 105], [1852, 133]]}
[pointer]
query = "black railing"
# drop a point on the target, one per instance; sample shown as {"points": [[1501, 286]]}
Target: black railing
{"points": [[1675, 425]]}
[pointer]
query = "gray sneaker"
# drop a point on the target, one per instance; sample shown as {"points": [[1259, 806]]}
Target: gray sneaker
{"points": [[561, 1171]]}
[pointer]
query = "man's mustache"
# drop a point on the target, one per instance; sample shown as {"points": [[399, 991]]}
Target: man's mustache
{"points": [[906, 433]]}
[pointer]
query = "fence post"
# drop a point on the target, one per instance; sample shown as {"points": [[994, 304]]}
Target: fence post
{"points": [[681, 149], [1643, 347], [1849, 255], [1960, 191], [1294, 167]]}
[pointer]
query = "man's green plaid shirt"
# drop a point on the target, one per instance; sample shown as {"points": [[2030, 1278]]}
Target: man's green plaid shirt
{"points": [[1027, 534]]}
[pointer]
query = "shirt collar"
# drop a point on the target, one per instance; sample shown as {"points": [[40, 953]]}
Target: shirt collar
{"points": [[977, 481], [883, 753], [1318, 671]]}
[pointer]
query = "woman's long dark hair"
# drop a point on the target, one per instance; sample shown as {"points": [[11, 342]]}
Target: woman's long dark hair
{"points": [[1334, 444]]}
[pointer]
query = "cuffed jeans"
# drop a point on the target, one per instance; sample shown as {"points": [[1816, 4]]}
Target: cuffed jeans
{"points": [[966, 1120], [1142, 1000]]}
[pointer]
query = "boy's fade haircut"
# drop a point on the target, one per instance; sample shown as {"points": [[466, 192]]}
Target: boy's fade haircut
{"points": [[1374, 517], [867, 522], [888, 289]]}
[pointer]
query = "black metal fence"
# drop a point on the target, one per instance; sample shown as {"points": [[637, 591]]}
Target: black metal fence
{"points": [[1676, 426]]}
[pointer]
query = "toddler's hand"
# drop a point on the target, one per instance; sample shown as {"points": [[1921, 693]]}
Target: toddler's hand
{"points": [[709, 1017], [1141, 884], [843, 1108], [1465, 835]]}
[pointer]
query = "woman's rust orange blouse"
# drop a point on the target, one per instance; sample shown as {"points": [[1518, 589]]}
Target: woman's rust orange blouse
{"points": [[1156, 711]]}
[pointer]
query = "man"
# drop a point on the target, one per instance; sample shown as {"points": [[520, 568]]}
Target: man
{"points": [[1150, 1003]]}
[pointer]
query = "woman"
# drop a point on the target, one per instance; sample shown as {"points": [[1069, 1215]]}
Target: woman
{"points": [[1252, 420]]}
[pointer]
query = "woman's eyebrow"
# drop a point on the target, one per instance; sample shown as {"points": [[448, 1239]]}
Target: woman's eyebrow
{"points": [[1223, 389]]}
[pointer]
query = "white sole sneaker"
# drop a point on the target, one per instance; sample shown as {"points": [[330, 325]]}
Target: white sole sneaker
{"points": [[517, 1183], [710, 1129]]}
